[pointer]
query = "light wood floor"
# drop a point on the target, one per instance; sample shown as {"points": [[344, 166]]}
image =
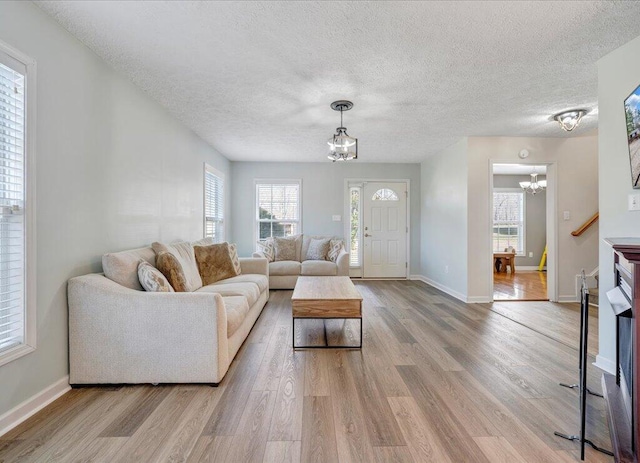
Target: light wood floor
{"points": [[524, 285], [436, 381]]}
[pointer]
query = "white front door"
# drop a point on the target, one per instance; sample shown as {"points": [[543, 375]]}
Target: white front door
{"points": [[385, 230]]}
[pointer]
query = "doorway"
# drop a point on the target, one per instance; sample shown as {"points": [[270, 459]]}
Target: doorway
{"points": [[519, 232], [378, 228]]}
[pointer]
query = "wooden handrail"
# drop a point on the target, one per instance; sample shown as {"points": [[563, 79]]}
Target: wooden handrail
{"points": [[586, 225]]}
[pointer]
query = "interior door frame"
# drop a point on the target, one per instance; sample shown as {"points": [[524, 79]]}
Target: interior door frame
{"points": [[552, 223], [347, 215]]}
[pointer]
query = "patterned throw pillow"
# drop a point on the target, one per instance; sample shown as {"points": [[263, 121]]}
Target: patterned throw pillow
{"points": [[285, 248], [171, 268], [266, 248], [233, 252], [318, 249], [183, 252], [214, 262], [152, 279], [335, 246]]}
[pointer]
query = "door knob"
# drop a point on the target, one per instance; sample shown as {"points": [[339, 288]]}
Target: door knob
{"points": [[367, 235]]}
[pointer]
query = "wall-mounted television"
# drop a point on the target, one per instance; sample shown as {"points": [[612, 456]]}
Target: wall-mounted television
{"points": [[632, 110]]}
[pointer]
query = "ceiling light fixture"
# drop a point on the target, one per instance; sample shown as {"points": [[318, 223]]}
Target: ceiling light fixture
{"points": [[569, 120], [342, 147], [535, 185]]}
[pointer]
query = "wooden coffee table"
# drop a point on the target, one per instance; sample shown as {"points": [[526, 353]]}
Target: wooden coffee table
{"points": [[325, 298]]}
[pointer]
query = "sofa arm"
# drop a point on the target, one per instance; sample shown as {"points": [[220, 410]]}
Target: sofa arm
{"points": [[120, 335], [342, 261], [255, 265]]}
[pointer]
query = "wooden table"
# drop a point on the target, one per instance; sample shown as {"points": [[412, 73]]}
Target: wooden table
{"points": [[504, 255], [325, 298]]}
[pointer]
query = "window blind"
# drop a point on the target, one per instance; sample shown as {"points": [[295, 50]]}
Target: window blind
{"points": [[12, 200], [213, 205], [278, 209]]}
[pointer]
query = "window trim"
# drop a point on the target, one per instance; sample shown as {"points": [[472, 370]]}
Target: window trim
{"points": [[274, 181], [212, 170], [523, 253], [359, 187], [30, 307]]}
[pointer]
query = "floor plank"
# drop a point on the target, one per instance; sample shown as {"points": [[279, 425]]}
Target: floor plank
{"points": [[436, 380]]}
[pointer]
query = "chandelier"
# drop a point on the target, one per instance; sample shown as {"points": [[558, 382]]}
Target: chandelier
{"points": [[534, 186], [569, 120], [342, 147]]}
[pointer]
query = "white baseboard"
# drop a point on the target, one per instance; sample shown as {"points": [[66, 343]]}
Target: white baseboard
{"points": [[32, 405], [528, 267], [605, 364], [441, 287], [569, 298], [478, 300]]}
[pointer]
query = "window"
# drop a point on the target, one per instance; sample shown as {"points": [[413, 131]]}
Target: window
{"points": [[213, 204], [17, 262], [508, 220], [277, 208], [355, 221], [385, 194]]}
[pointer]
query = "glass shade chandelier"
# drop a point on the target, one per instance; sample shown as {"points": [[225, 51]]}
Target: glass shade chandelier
{"points": [[342, 147], [535, 185], [569, 120]]}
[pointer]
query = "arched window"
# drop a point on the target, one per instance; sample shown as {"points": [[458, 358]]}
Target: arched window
{"points": [[385, 194]]}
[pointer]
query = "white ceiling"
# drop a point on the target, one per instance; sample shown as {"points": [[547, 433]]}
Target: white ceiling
{"points": [[518, 169], [255, 79]]}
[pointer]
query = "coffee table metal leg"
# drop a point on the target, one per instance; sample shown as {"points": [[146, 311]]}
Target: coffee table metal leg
{"points": [[326, 340]]}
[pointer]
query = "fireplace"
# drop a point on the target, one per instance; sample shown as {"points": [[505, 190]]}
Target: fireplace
{"points": [[621, 391]]}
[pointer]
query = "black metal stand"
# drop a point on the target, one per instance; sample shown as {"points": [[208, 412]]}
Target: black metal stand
{"points": [[582, 386], [326, 341]]}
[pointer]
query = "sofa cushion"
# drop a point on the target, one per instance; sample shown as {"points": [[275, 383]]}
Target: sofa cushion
{"points": [[214, 263], [318, 249], [261, 280], [306, 240], [171, 268], [152, 279], [319, 268], [285, 248], [266, 248], [248, 290], [285, 267], [233, 252], [237, 309], [335, 247], [122, 267], [183, 252]]}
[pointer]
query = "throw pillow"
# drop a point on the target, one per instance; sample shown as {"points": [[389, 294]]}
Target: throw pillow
{"points": [[183, 251], [335, 246], [285, 248], [233, 252], [152, 279], [266, 248], [318, 249], [170, 267], [214, 262]]}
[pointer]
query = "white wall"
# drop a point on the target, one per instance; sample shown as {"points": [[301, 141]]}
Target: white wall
{"points": [[535, 218], [114, 171], [322, 196], [577, 183], [444, 219], [618, 76]]}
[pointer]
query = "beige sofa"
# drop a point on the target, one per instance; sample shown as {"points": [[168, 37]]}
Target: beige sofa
{"points": [[284, 274], [121, 334]]}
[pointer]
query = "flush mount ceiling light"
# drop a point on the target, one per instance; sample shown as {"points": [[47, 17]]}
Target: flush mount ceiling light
{"points": [[569, 120], [535, 185], [342, 147]]}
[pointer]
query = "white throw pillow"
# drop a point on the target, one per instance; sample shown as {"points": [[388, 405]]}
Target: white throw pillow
{"points": [[266, 247], [233, 252], [152, 279], [335, 246]]}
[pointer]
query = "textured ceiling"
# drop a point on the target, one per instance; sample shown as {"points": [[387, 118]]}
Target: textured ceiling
{"points": [[255, 79]]}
